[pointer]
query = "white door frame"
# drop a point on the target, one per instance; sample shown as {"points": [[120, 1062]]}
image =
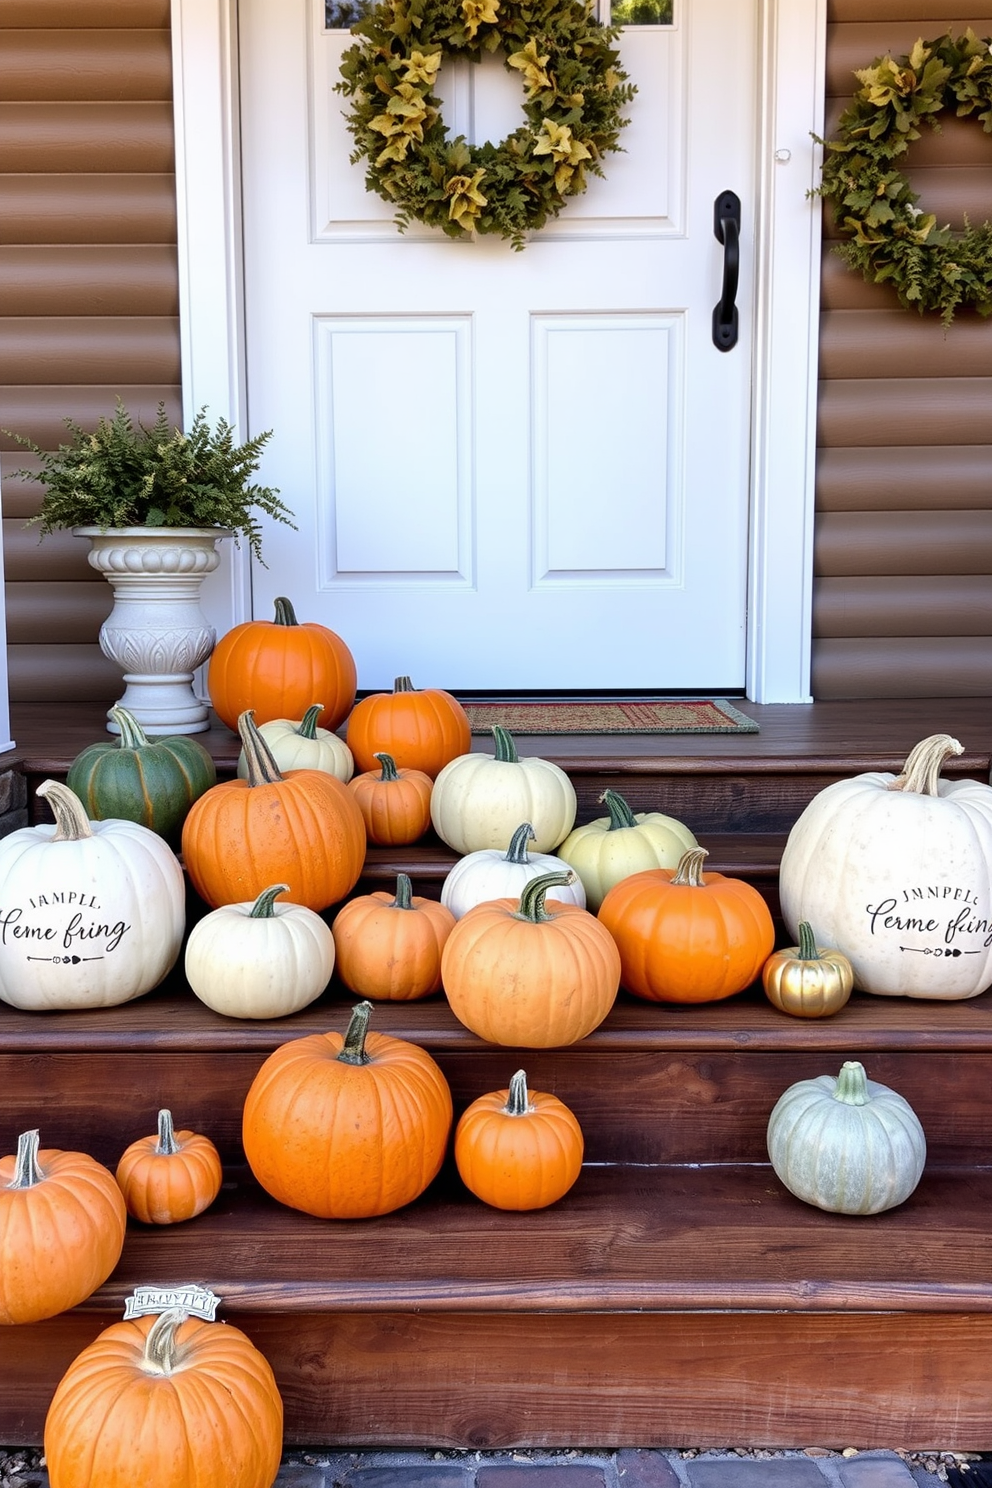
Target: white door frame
{"points": [[787, 258]]}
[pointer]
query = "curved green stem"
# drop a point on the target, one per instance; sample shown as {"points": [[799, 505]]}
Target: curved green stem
{"points": [[852, 1084], [264, 906], [132, 735], [353, 1048], [620, 813], [389, 771], [506, 750], [518, 1099], [308, 723], [167, 1144], [517, 850], [71, 822], [533, 895], [259, 759], [689, 872], [285, 614], [27, 1170], [807, 942], [161, 1353], [403, 684], [404, 892], [921, 772]]}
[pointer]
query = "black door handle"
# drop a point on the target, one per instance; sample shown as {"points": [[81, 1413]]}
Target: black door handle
{"points": [[726, 229]]}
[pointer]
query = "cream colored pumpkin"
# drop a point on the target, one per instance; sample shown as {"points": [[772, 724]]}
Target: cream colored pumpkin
{"points": [[301, 745], [846, 1144], [896, 872], [491, 874], [479, 800], [92, 914], [604, 851], [261, 959]]}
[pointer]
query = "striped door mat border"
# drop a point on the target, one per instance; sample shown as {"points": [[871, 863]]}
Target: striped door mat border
{"points": [[661, 716]]}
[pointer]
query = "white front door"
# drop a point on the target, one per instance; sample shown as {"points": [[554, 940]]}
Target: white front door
{"points": [[509, 470]]}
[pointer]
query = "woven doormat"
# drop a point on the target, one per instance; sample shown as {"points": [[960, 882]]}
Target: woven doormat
{"points": [[703, 716]]}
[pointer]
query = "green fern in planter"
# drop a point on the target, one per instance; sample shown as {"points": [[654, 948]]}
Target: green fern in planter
{"points": [[127, 475]]}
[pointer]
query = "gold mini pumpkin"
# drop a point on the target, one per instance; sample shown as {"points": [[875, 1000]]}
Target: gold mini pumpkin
{"points": [[805, 981]]}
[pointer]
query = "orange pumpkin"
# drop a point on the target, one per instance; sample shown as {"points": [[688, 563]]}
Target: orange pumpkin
{"points": [[686, 936], [347, 1128], [395, 804], [277, 667], [421, 730], [167, 1402], [169, 1177], [390, 948], [62, 1222], [530, 973], [303, 829], [516, 1149]]}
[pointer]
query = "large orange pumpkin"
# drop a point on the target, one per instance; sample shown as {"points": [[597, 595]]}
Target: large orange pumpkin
{"points": [[303, 829], [62, 1222], [686, 936], [532, 973], [421, 730], [390, 947], [396, 804], [171, 1176], [347, 1128], [279, 667], [518, 1149], [166, 1402]]}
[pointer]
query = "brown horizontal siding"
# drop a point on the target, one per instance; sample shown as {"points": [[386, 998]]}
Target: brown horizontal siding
{"points": [[41, 613], [86, 137], [62, 64], [66, 672], [73, 349], [39, 412], [146, 14], [854, 44], [911, 542], [904, 478], [89, 279], [903, 606], [125, 208], [900, 410], [916, 666], [60, 557], [889, 343]]}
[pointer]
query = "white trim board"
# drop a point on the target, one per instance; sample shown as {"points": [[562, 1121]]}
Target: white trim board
{"points": [[787, 237]]}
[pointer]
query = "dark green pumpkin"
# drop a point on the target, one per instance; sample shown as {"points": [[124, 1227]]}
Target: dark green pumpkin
{"points": [[150, 781]]}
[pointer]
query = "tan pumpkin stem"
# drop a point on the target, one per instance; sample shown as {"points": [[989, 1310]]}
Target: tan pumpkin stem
{"points": [[921, 772], [132, 735], [167, 1146], [71, 822], [27, 1170], [264, 906], [852, 1084], [620, 813], [518, 1099], [259, 759], [353, 1049], [308, 723], [506, 750], [285, 614], [517, 850], [689, 872], [533, 895], [404, 892], [389, 771], [403, 684], [807, 942], [161, 1352]]}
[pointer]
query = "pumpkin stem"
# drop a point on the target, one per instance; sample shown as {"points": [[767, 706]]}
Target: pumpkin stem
{"points": [[517, 1099], [690, 868], [532, 896], [259, 759], [404, 892], [403, 684], [807, 942], [27, 1170], [921, 772], [161, 1354], [264, 906], [517, 850], [852, 1084], [132, 735], [353, 1049], [71, 822], [285, 614], [308, 723], [388, 764], [506, 750], [167, 1144], [620, 813]]}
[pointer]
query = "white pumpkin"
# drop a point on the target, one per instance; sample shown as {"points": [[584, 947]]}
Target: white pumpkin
{"points": [[491, 874], [896, 872], [92, 914], [261, 959], [301, 745], [846, 1144], [604, 851], [479, 800]]}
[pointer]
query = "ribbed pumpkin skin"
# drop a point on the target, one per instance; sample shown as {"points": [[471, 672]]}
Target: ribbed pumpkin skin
{"points": [[305, 831], [154, 785], [518, 1162], [279, 670], [389, 953], [530, 985], [215, 1420], [421, 730], [680, 943], [161, 1188], [397, 811], [59, 1239], [344, 1141]]}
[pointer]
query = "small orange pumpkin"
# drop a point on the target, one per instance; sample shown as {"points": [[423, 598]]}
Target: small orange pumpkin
{"points": [[303, 829], [277, 667], [167, 1402], [396, 804], [686, 936], [62, 1222], [516, 1149], [421, 730], [169, 1177], [530, 973], [390, 947], [347, 1128]]}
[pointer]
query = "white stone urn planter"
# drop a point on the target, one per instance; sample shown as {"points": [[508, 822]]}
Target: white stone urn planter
{"points": [[156, 631]]}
